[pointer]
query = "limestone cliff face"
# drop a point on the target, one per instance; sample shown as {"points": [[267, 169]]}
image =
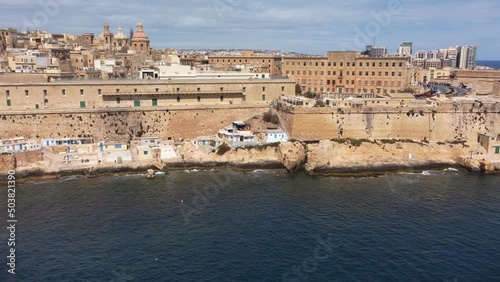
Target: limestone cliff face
{"points": [[258, 156], [292, 155], [22, 161], [366, 156], [7, 162]]}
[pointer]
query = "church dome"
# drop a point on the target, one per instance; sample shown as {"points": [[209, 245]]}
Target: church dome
{"points": [[120, 34], [139, 33]]}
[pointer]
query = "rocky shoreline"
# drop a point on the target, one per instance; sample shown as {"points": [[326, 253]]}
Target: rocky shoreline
{"points": [[327, 158]]}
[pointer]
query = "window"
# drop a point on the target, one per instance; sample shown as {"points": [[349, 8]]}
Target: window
{"points": [[81, 92], [118, 101], [244, 97], [26, 93], [263, 97], [8, 103], [63, 92], [198, 99], [7, 93], [99, 92], [263, 89], [44, 93], [157, 89], [137, 103], [283, 89], [155, 102], [178, 99], [222, 98], [118, 146], [145, 153], [46, 102], [117, 90], [82, 104], [244, 89], [135, 90]]}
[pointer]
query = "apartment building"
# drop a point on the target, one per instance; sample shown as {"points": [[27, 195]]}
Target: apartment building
{"points": [[349, 72]]}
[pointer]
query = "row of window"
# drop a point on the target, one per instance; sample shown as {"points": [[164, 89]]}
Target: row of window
{"points": [[350, 82], [234, 61], [341, 73], [99, 91], [348, 64], [137, 103], [348, 90]]}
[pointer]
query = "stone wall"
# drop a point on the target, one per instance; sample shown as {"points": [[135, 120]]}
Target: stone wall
{"points": [[122, 125], [445, 123]]}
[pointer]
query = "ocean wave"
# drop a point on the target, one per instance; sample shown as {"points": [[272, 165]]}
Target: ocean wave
{"points": [[72, 177]]}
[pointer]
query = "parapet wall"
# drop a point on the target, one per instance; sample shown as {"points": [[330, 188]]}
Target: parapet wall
{"points": [[122, 125], [450, 122]]}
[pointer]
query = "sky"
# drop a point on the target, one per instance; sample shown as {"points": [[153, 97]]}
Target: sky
{"points": [[310, 26]]}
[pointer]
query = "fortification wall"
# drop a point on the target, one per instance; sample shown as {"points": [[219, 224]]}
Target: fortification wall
{"points": [[122, 125], [447, 123]]}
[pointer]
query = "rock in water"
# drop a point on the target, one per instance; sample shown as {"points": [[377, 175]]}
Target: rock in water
{"points": [[151, 174], [292, 155]]}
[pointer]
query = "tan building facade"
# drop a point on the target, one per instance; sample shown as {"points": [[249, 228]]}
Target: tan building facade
{"points": [[140, 94], [349, 72], [247, 61]]}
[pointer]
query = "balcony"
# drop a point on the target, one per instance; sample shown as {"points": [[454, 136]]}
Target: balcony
{"points": [[160, 93]]}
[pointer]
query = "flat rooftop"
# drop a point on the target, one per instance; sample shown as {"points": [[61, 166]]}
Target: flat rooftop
{"points": [[153, 82]]}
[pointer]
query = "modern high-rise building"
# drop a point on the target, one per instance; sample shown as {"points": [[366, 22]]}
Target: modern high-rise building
{"points": [[375, 52], [406, 49], [421, 55], [433, 55], [466, 58], [452, 56]]}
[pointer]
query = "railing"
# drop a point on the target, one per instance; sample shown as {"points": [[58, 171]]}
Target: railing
{"points": [[172, 93]]}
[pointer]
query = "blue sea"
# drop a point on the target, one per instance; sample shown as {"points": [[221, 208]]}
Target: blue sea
{"points": [[491, 64], [225, 225]]}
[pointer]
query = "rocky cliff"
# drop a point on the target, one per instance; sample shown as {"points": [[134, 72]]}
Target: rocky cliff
{"points": [[365, 155]]}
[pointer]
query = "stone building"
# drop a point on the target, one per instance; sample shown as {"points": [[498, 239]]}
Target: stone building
{"points": [[120, 43], [106, 38], [496, 88], [140, 41], [349, 72], [247, 61], [140, 94]]}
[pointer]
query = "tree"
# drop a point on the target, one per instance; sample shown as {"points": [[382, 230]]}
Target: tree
{"points": [[131, 33], [298, 89]]}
